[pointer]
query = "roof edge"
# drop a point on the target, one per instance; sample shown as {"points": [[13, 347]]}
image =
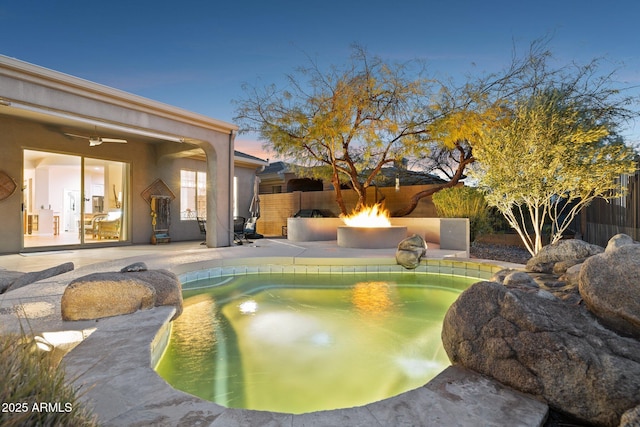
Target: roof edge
{"points": [[76, 85]]}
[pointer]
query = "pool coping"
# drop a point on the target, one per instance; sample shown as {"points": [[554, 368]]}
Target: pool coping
{"points": [[123, 389]]}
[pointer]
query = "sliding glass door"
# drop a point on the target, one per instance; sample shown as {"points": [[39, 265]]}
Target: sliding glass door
{"points": [[73, 200]]}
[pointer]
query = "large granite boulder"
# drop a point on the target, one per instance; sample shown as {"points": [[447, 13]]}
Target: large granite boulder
{"points": [[617, 241], [7, 277], [631, 418], [166, 284], [565, 251], [410, 251], [23, 279], [108, 294], [609, 284], [538, 344]]}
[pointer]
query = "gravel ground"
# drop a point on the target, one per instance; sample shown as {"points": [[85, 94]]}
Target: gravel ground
{"points": [[500, 252]]}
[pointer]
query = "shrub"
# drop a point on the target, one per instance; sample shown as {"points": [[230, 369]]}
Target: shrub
{"points": [[33, 391], [464, 202]]}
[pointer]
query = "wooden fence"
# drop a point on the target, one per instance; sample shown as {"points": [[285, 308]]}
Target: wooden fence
{"points": [[606, 219], [276, 208]]}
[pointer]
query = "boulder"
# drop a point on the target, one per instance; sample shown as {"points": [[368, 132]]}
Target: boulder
{"points": [[410, 251], [136, 266], [560, 267], [35, 276], [545, 347], [631, 418], [167, 286], [564, 250], [609, 284], [101, 295], [572, 274], [114, 293], [7, 278], [617, 241], [520, 279]]}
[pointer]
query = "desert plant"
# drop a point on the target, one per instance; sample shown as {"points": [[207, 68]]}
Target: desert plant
{"points": [[464, 202], [34, 391]]}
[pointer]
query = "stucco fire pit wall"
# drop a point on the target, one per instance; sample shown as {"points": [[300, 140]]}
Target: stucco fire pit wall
{"points": [[370, 237]]}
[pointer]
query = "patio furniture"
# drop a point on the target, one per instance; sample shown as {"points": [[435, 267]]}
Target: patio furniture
{"points": [[91, 223], [109, 227], [202, 223], [238, 230]]}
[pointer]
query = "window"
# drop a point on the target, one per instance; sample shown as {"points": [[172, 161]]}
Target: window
{"points": [[193, 194]]}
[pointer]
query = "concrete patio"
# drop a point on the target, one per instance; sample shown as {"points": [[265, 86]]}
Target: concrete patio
{"points": [[113, 364]]}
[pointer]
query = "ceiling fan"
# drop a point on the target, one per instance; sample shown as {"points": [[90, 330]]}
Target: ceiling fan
{"points": [[96, 140]]}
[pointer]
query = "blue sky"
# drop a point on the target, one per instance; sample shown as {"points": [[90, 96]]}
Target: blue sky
{"points": [[197, 54]]}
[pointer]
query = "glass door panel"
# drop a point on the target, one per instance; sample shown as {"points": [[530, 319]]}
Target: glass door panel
{"points": [[105, 195], [70, 200], [52, 204]]}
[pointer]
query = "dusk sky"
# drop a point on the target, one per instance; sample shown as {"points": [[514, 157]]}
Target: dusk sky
{"points": [[197, 54]]}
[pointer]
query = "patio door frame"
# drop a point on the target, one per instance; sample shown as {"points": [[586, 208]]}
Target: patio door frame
{"points": [[118, 201]]}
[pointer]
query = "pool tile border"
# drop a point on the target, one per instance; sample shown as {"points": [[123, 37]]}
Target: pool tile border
{"points": [[481, 270]]}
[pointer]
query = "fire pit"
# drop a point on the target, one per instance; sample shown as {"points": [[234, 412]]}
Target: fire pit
{"points": [[370, 228]]}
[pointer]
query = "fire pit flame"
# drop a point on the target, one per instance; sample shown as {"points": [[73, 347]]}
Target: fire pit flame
{"points": [[370, 216]]}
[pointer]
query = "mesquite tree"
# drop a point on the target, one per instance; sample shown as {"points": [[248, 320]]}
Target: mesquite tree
{"points": [[345, 124]]}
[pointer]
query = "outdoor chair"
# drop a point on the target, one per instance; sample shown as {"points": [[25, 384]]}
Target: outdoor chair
{"points": [[238, 230], [250, 229], [202, 223]]}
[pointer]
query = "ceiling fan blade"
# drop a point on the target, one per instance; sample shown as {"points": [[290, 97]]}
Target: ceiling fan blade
{"points": [[116, 140], [77, 136]]}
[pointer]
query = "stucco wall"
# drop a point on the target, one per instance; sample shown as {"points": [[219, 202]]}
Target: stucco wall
{"points": [[145, 167], [37, 107]]}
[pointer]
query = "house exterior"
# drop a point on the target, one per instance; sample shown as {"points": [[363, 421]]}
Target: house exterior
{"points": [[279, 177], [85, 165]]}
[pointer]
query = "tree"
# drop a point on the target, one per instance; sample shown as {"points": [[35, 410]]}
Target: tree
{"points": [[345, 124], [556, 153]]}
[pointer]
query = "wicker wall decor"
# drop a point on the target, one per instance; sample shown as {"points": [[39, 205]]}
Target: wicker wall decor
{"points": [[157, 188], [7, 185]]}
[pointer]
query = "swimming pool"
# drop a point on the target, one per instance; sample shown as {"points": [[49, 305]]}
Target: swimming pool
{"points": [[302, 343]]}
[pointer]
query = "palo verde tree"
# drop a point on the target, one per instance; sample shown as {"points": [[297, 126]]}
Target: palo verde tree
{"points": [[554, 155], [462, 114], [345, 124]]}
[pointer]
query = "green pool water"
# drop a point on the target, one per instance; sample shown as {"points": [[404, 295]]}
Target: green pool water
{"points": [[303, 343]]}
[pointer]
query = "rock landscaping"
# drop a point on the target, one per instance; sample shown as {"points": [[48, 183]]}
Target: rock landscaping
{"points": [[410, 251], [565, 330], [109, 294], [11, 280]]}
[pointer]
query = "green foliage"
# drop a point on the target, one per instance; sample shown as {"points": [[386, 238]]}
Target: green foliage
{"points": [[552, 158], [33, 391], [464, 202], [353, 120]]}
